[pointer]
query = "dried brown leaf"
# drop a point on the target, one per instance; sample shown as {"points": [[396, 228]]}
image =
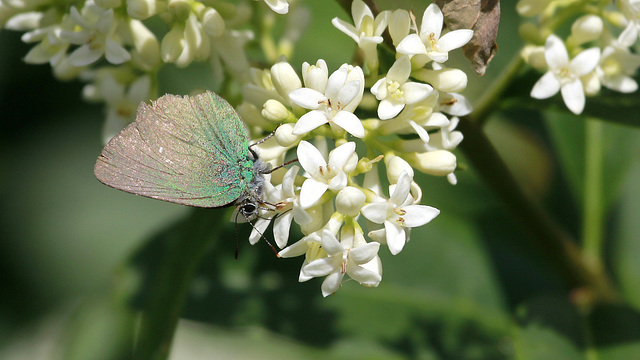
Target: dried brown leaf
{"points": [[483, 17]]}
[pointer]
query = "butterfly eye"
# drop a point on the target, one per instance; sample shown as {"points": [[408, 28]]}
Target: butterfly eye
{"points": [[248, 209]]}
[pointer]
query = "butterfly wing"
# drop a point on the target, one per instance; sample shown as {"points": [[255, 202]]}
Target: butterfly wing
{"points": [[186, 150]]}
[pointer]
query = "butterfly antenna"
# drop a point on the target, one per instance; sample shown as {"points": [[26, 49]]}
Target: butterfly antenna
{"points": [[262, 236], [266, 138], [282, 165]]}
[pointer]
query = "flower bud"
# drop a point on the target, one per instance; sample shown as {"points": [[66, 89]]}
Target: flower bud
{"points": [[399, 23], [212, 22], [315, 76], [395, 166], [273, 110], [147, 49], [179, 8], [143, 9], [591, 83], [25, 21], [534, 56], [438, 163], [284, 136], [586, 28], [447, 80], [284, 79], [172, 44], [349, 201]]}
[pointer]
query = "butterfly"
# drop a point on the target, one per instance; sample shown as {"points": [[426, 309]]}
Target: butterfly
{"points": [[192, 151]]}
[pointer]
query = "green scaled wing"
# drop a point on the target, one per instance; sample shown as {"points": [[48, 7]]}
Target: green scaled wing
{"points": [[187, 150]]}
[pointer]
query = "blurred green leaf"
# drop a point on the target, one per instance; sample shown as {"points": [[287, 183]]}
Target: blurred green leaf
{"points": [[626, 242], [620, 144]]}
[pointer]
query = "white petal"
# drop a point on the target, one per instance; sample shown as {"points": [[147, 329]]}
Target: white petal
{"points": [[259, 228], [411, 45], [296, 249], [348, 92], [395, 237], [363, 276], [311, 191], [309, 122], [336, 82], [340, 155], [432, 20], [455, 39], [573, 96], [621, 83], [116, 53], [363, 254], [310, 157], [402, 189], [83, 56], [350, 123], [307, 98], [389, 109], [338, 182], [281, 227], [331, 284], [424, 135], [379, 236], [400, 70], [585, 62], [379, 89], [346, 28], [438, 56], [546, 86], [418, 215], [375, 212], [455, 104], [330, 244], [322, 267], [555, 53], [415, 92]]}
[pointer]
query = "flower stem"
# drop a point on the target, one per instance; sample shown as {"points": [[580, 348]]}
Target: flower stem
{"points": [[553, 242], [592, 226]]}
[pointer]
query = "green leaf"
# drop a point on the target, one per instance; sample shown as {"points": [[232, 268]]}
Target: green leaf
{"points": [[626, 244], [615, 330]]}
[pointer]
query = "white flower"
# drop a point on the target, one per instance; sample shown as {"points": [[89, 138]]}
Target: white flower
{"points": [[349, 201], [346, 257], [96, 37], [428, 44], [398, 215], [618, 65], [278, 6], [529, 8], [394, 91], [564, 75], [342, 95], [367, 32], [323, 176]]}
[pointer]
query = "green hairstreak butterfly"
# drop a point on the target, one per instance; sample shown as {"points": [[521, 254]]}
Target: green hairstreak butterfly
{"points": [[188, 150]]}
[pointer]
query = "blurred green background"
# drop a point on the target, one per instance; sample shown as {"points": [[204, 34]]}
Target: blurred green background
{"points": [[470, 285]]}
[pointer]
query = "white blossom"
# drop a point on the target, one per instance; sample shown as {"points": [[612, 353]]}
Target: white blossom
{"points": [[428, 44], [398, 214], [324, 175], [367, 32], [342, 95], [564, 75], [344, 257], [394, 91]]}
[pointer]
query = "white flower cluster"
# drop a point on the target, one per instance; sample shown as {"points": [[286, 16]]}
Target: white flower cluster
{"points": [[572, 68], [329, 200], [108, 44]]}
